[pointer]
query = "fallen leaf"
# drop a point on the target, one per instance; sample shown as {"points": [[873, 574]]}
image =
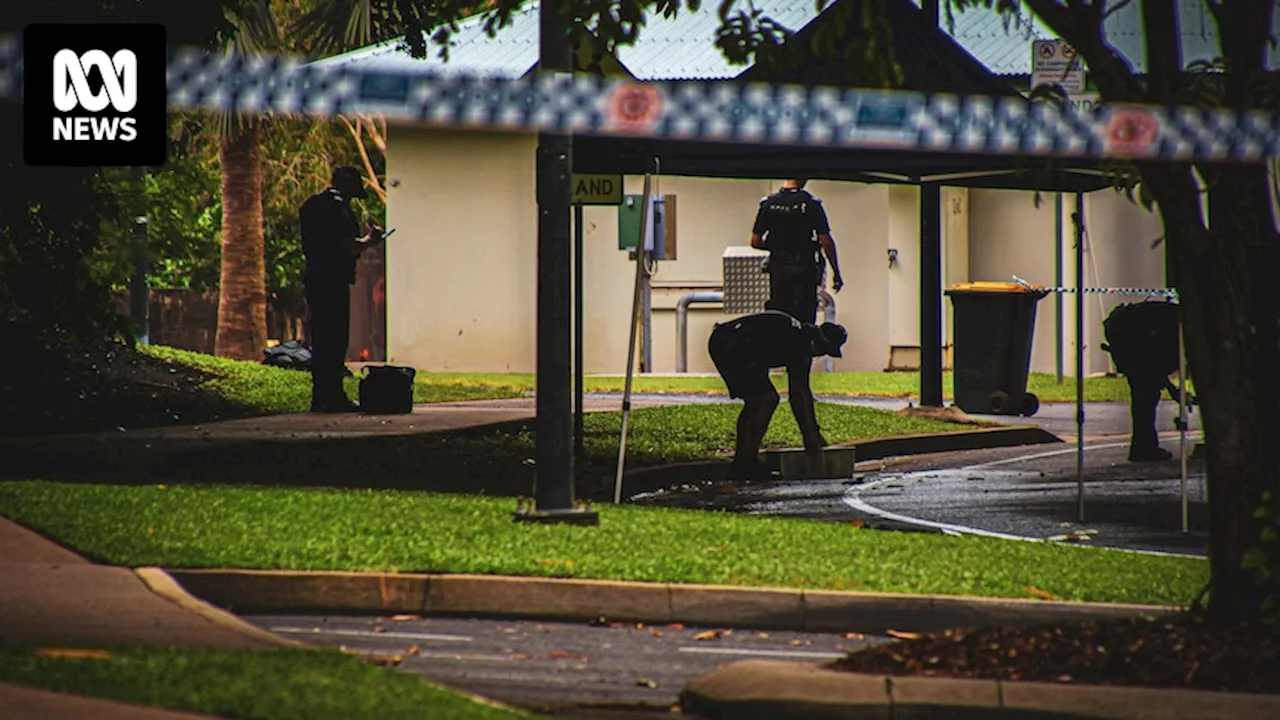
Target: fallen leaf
{"points": [[151, 529], [857, 523], [379, 628], [639, 626], [559, 655], [655, 632], [645, 682], [523, 656], [1042, 594], [763, 634], [854, 636], [904, 635], [385, 659], [676, 626], [74, 653], [1064, 678], [566, 563], [709, 635], [414, 649], [401, 618], [797, 643]]}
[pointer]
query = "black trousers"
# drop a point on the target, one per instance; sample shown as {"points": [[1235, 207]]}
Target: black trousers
{"points": [[1144, 396], [793, 289], [329, 304]]}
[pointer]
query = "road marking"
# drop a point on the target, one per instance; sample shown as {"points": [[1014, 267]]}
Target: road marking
{"points": [[772, 653], [371, 634]]}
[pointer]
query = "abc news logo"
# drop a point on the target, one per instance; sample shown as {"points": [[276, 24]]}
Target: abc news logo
{"points": [[71, 91], [94, 95]]}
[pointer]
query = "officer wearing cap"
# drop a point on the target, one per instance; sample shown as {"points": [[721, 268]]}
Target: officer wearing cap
{"points": [[744, 350], [332, 243], [792, 225]]}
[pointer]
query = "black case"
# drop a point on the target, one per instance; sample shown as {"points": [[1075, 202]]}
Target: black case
{"points": [[386, 390]]}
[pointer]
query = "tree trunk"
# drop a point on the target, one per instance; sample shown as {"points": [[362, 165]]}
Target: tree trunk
{"points": [[1231, 317], [242, 296]]}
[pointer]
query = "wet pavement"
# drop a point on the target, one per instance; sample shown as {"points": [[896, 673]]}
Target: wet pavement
{"points": [[1026, 492]]}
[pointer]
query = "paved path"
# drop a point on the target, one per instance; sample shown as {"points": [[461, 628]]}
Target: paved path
{"points": [[50, 596], [560, 666]]}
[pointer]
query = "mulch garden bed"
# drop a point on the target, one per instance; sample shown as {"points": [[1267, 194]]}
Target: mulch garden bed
{"points": [[1181, 652]]}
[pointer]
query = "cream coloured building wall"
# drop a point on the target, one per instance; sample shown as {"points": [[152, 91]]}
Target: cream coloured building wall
{"points": [[1010, 236]]}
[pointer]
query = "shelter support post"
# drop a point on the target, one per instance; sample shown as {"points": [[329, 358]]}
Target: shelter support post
{"points": [[1078, 218], [1057, 282], [579, 290], [931, 295], [553, 461]]}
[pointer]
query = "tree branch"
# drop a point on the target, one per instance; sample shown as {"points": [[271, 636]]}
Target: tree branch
{"points": [[1082, 29], [358, 134], [1164, 59]]}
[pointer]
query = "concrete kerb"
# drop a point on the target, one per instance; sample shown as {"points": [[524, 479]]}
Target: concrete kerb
{"points": [[767, 689], [572, 599]]}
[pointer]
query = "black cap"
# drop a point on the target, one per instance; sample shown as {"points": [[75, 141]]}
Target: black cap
{"points": [[833, 336], [348, 181]]}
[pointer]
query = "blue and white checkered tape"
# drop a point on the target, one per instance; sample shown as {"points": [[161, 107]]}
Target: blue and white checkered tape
{"points": [[745, 113]]}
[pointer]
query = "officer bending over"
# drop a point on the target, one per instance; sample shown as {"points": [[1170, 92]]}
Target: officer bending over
{"points": [[792, 225], [1143, 341], [744, 350], [331, 244]]}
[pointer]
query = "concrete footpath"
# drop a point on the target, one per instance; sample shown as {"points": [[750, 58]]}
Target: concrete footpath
{"points": [[52, 597]]}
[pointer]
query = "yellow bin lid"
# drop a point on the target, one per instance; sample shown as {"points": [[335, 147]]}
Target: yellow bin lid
{"points": [[1005, 287]]}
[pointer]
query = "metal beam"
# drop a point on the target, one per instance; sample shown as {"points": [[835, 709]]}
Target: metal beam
{"points": [[931, 295]]}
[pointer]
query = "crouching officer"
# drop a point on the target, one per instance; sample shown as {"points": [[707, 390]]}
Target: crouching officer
{"points": [[1143, 341], [792, 225], [331, 243], [744, 350]]}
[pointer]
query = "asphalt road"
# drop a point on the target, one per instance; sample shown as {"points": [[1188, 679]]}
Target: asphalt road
{"points": [[576, 670]]}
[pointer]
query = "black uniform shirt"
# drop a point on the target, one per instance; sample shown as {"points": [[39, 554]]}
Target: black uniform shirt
{"points": [[771, 339], [327, 224], [788, 221], [1143, 337]]}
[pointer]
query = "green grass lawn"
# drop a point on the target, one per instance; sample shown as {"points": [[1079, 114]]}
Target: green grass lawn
{"points": [[327, 529], [273, 390], [866, 384], [287, 684]]}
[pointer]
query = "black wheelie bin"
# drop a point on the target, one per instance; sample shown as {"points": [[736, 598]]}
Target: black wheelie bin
{"points": [[994, 325]]}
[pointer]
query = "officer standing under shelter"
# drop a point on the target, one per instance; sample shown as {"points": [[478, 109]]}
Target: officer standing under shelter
{"points": [[1143, 341], [744, 350], [792, 225], [331, 243]]}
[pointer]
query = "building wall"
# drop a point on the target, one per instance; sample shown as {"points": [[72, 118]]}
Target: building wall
{"points": [[461, 270], [1009, 236]]}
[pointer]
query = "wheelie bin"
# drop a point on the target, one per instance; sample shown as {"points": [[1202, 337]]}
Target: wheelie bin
{"points": [[994, 326]]}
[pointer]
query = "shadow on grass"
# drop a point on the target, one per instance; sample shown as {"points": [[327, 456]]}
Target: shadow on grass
{"points": [[493, 460]]}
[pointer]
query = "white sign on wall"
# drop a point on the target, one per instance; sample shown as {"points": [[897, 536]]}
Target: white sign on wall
{"points": [[1054, 62]]}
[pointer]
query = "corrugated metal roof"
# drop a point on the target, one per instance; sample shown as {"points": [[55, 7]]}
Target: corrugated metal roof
{"points": [[683, 47], [677, 48], [1007, 51]]}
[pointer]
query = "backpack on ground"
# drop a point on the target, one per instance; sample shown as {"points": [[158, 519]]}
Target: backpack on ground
{"points": [[386, 390]]}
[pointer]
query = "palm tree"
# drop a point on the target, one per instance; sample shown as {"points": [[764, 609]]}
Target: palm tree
{"points": [[242, 299]]}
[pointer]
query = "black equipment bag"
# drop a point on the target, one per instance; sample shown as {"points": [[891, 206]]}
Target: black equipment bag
{"points": [[289, 354], [386, 390]]}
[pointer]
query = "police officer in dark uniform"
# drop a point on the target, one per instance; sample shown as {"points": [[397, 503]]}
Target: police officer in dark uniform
{"points": [[331, 242], [744, 350], [1143, 341], [792, 225]]}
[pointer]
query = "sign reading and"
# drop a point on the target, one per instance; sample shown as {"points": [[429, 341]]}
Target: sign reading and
{"points": [[597, 189], [1053, 62], [94, 95]]}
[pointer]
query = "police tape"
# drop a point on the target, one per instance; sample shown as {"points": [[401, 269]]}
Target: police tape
{"points": [[785, 115], [1159, 292]]}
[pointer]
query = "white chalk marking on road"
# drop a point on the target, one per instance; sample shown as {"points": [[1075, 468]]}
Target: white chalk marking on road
{"points": [[371, 634], [772, 653]]}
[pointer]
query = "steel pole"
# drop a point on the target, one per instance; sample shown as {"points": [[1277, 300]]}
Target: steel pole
{"points": [[1079, 223], [631, 344]]}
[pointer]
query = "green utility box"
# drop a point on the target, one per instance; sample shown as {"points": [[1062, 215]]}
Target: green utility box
{"points": [[662, 225]]}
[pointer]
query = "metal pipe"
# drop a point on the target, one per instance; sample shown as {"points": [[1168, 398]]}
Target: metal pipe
{"points": [[682, 324], [1078, 218], [828, 315]]}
